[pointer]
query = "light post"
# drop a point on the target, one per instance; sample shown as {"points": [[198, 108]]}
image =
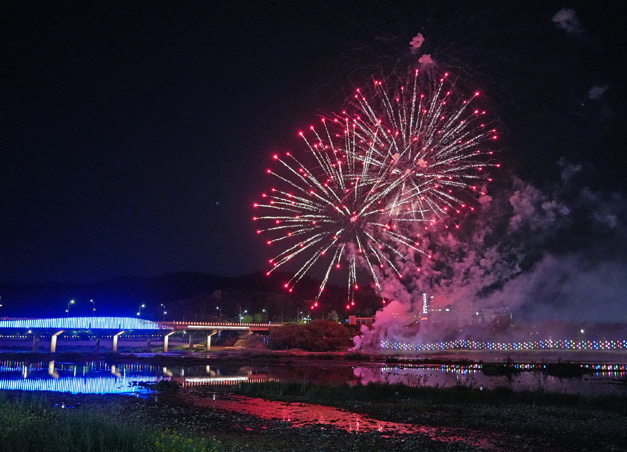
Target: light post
{"points": [[139, 311], [68, 307], [581, 331], [93, 308], [164, 311], [241, 317], [220, 310]]}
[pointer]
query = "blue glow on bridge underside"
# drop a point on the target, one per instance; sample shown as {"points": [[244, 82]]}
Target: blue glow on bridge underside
{"points": [[84, 323]]}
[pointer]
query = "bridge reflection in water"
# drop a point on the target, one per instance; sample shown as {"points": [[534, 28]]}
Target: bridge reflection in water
{"points": [[101, 378]]}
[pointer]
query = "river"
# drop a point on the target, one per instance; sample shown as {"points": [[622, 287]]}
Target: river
{"points": [[98, 377]]}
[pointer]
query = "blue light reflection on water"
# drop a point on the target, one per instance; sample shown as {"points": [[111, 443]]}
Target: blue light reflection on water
{"points": [[91, 378], [102, 378], [76, 385]]}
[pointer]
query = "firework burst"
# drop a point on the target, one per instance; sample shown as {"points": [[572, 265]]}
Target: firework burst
{"points": [[391, 162], [334, 212], [426, 135]]}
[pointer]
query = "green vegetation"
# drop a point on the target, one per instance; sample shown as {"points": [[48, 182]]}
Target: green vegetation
{"points": [[346, 395], [317, 336], [31, 425]]}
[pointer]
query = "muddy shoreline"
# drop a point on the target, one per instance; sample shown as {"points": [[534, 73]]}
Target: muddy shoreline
{"points": [[459, 427]]}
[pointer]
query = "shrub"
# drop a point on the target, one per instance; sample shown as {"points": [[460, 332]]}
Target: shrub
{"points": [[317, 336]]}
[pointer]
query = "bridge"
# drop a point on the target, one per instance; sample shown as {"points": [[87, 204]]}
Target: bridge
{"points": [[118, 326]]}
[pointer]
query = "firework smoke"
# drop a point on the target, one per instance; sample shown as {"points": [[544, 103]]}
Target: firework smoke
{"points": [[525, 253], [417, 42], [566, 19]]}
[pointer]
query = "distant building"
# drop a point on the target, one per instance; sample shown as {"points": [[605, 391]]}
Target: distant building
{"points": [[354, 320]]}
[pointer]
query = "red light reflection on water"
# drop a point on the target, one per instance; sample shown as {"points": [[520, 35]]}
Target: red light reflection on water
{"points": [[310, 414]]}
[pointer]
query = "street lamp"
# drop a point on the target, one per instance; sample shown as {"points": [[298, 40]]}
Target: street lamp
{"points": [[219, 309], [68, 307], [164, 311], [93, 308], [581, 331], [139, 311]]}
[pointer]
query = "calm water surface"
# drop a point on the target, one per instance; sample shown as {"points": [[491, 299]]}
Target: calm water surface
{"points": [[102, 378]]}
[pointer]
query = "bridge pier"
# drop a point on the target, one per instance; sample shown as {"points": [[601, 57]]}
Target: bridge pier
{"points": [[115, 372], [35, 343], [53, 341], [97, 347], [191, 341], [52, 371], [166, 339], [209, 339], [115, 340], [147, 347]]}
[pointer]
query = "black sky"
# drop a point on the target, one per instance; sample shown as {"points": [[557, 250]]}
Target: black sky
{"points": [[134, 135]]}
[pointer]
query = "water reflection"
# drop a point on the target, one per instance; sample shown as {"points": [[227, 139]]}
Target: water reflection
{"points": [[92, 378], [102, 378], [73, 385], [321, 417], [473, 376]]}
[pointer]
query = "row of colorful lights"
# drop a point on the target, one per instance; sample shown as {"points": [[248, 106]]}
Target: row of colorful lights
{"points": [[18, 366], [457, 368], [463, 344]]}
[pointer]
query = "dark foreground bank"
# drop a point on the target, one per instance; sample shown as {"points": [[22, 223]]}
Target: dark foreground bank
{"points": [[465, 419], [35, 423]]}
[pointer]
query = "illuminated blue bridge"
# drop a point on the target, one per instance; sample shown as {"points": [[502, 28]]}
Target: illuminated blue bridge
{"points": [[118, 326], [83, 323]]}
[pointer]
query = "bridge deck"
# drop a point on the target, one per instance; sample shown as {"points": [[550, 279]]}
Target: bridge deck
{"points": [[124, 323]]}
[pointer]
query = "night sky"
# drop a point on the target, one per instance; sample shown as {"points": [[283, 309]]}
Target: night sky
{"points": [[134, 136]]}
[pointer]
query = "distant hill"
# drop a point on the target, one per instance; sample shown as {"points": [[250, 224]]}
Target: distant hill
{"points": [[186, 296]]}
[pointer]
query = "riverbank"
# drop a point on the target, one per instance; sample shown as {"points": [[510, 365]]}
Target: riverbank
{"points": [[32, 422], [279, 417]]}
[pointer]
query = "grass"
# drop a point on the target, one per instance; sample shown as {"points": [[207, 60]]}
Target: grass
{"points": [[346, 395], [31, 425]]}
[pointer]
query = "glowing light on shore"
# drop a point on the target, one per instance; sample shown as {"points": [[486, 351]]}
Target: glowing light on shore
{"points": [[548, 344]]}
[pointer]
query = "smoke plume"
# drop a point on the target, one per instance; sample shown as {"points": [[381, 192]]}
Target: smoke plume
{"points": [[566, 19], [529, 254]]}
